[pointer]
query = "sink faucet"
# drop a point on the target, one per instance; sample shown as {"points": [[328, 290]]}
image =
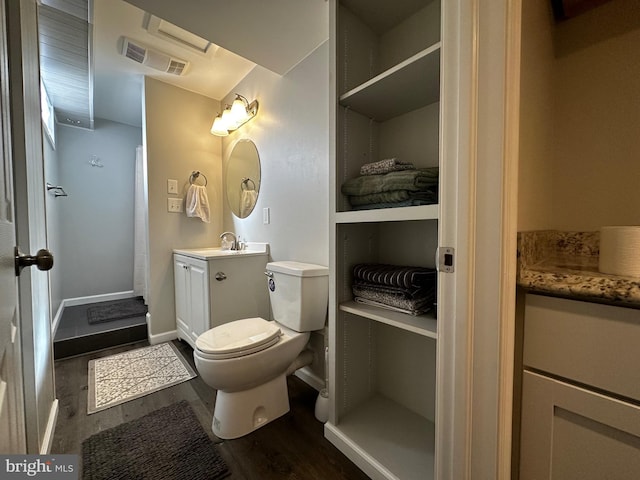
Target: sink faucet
{"points": [[234, 242]]}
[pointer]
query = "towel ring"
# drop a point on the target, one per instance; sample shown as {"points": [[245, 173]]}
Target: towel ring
{"points": [[195, 175], [244, 185]]}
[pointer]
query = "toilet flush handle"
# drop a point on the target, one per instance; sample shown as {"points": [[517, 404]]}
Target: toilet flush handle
{"points": [[220, 276]]}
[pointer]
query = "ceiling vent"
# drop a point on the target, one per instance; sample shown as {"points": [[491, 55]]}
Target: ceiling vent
{"points": [[153, 58]]}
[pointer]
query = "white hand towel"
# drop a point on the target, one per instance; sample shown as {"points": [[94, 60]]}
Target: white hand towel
{"points": [[197, 204], [247, 202]]}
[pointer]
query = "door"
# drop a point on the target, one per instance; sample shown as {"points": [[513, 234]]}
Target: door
{"points": [[11, 406], [27, 394]]}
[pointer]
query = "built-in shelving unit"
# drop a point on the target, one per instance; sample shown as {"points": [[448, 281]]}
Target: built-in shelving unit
{"points": [[383, 364]]}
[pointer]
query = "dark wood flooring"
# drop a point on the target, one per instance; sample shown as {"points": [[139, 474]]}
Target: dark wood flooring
{"points": [[291, 447]]}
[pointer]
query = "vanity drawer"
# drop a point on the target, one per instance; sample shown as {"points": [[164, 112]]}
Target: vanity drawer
{"points": [[589, 343]]}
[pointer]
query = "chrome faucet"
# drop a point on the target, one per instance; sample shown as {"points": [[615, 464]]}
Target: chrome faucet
{"points": [[234, 243]]}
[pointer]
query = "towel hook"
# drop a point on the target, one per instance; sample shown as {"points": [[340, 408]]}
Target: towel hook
{"points": [[194, 175], [58, 191], [244, 185]]}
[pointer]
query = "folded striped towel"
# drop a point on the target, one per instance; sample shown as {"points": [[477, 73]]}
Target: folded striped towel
{"points": [[394, 275]]}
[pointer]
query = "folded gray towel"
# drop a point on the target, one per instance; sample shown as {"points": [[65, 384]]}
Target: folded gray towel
{"points": [[410, 180], [384, 166]]}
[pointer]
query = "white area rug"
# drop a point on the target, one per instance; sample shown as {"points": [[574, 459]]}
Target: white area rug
{"points": [[119, 378]]}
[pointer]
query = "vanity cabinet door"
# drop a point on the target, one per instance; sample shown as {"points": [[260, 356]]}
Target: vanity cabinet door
{"points": [[198, 299], [191, 297], [181, 280], [571, 433]]}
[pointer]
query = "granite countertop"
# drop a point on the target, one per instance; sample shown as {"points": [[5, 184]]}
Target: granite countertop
{"points": [[566, 264]]}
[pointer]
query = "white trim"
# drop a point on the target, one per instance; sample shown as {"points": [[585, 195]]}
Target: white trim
{"points": [[104, 297], [509, 238], [310, 378], [56, 320], [162, 337], [47, 438]]}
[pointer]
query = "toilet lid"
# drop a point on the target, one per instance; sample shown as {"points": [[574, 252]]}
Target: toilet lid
{"points": [[237, 338]]}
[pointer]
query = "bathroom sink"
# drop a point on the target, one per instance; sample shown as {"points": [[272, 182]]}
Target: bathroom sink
{"points": [[252, 248]]}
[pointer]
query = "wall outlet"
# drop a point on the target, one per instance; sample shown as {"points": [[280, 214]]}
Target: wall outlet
{"points": [[172, 186], [174, 205]]}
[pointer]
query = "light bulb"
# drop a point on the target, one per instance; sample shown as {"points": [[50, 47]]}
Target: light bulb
{"points": [[239, 111], [218, 127], [228, 120]]}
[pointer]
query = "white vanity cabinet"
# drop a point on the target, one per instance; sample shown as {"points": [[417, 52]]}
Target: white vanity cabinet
{"points": [[212, 288], [581, 391], [384, 366]]}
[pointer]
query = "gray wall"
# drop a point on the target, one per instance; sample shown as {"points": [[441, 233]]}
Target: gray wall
{"points": [[96, 219], [177, 141]]}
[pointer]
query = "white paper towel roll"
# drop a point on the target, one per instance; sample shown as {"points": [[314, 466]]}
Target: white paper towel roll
{"points": [[620, 250]]}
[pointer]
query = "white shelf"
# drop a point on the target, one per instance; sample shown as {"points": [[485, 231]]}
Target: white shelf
{"points": [[386, 440], [407, 86], [399, 214], [424, 325]]}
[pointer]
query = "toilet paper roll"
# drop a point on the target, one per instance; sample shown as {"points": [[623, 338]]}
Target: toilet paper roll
{"points": [[620, 250]]}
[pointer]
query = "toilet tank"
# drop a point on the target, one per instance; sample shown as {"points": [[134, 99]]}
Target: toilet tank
{"points": [[299, 294]]}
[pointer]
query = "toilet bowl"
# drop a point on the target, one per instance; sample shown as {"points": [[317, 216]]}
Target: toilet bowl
{"points": [[247, 360]]}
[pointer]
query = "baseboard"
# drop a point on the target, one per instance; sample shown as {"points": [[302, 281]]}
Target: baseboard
{"points": [[104, 297], [47, 440], [307, 376], [163, 337]]}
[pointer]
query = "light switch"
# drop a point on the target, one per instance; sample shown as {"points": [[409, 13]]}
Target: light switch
{"points": [[172, 186], [266, 216], [174, 205]]}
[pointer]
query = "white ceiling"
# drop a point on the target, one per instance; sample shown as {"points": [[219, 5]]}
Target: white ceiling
{"points": [[118, 80], [277, 35]]}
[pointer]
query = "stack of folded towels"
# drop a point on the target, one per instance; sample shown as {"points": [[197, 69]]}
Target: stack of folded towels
{"points": [[391, 183], [409, 290]]}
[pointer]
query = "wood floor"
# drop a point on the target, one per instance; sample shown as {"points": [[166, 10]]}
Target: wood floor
{"points": [[291, 447]]}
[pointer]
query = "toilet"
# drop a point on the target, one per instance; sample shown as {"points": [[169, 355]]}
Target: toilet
{"points": [[247, 360]]}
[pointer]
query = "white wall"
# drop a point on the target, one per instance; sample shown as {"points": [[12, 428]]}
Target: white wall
{"points": [[96, 219], [291, 133], [177, 141]]}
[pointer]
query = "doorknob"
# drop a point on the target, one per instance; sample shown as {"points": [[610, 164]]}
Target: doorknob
{"points": [[43, 260]]}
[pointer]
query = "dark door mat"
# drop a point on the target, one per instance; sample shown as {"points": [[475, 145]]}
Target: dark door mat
{"points": [[116, 310], [168, 444]]}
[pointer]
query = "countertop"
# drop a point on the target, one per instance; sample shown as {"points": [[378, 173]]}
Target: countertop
{"points": [[566, 264], [207, 253]]}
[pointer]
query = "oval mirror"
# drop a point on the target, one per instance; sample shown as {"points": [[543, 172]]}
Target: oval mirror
{"points": [[243, 178]]}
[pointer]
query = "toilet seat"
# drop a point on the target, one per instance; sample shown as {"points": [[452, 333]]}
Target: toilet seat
{"points": [[238, 338]]}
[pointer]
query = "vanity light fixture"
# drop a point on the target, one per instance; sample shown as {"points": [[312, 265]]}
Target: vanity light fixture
{"points": [[234, 116]]}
